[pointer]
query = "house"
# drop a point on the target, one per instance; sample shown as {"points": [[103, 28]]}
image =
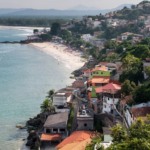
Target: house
{"points": [[107, 134], [124, 36], [78, 84], [134, 37], [86, 37], [99, 76], [111, 66], [98, 81], [61, 99], [107, 137], [87, 73], [131, 114], [100, 71], [110, 96], [97, 42], [140, 112], [63, 96], [57, 124], [33, 37], [96, 23], [78, 140], [85, 121]]}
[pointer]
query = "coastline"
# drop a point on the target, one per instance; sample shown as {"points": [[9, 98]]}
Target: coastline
{"points": [[20, 27], [71, 58], [63, 54]]}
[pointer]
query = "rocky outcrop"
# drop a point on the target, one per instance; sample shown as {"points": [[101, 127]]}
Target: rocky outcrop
{"points": [[33, 140]]}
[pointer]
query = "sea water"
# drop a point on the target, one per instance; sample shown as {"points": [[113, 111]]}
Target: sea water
{"points": [[26, 75]]}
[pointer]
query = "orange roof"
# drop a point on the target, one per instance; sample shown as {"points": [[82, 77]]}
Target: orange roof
{"points": [[99, 90], [100, 80], [77, 145], [102, 68], [50, 137], [110, 87], [76, 136]]}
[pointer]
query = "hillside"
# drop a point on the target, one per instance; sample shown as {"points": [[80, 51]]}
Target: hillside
{"points": [[75, 11]]}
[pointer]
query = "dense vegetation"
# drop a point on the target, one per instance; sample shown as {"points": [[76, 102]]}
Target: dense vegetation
{"points": [[136, 138], [32, 21]]}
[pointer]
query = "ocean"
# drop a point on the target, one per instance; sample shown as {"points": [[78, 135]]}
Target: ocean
{"points": [[26, 75]]}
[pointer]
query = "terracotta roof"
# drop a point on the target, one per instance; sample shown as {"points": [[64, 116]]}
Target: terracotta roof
{"points": [[110, 87], [100, 80], [50, 137], [140, 112], [99, 90], [102, 68], [78, 84], [76, 136], [57, 120], [77, 145]]}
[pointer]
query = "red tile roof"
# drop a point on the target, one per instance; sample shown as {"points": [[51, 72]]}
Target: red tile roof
{"points": [[76, 136], [140, 112], [110, 87]]}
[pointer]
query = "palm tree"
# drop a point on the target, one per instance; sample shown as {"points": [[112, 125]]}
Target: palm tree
{"points": [[47, 106], [50, 94]]}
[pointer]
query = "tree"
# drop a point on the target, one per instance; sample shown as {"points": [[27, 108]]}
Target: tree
{"points": [[140, 51], [50, 94], [119, 134], [128, 87], [96, 142], [55, 28], [45, 37], [111, 44], [47, 106], [147, 70], [132, 69], [137, 138], [142, 94], [35, 31], [66, 35]]}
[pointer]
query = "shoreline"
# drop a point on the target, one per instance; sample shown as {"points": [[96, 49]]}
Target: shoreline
{"points": [[63, 54], [20, 27]]}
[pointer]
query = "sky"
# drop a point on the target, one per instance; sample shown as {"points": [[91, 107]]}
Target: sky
{"points": [[64, 4]]}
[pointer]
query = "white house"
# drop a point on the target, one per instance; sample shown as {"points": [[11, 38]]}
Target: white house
{"points": [[109, 103], [61, 99], [96, 23], [86, 37]]}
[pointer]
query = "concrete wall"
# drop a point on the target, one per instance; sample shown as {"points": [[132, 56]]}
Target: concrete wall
{"points": [[84, 124]]}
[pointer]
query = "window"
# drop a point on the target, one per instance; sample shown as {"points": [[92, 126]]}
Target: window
{"points": [[55, 130], [48, 131], [62, 130], [85, 125]]}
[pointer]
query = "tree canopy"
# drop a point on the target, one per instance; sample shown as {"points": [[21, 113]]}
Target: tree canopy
{"points": [[55, 28], [137, 138]]}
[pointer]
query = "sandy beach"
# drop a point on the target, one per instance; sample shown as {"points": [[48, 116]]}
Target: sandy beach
{"points": [[72, 59]]}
